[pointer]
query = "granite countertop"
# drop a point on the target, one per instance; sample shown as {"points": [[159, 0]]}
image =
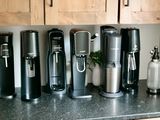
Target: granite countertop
{"points": [[50, 107]]}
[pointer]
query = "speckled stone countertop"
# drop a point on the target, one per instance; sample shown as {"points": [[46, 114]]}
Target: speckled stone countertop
{"points": [[51, 107]]}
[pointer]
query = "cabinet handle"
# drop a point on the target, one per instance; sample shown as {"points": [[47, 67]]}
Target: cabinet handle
{"points": [[51, 5], [126, 3], [106, 6]]}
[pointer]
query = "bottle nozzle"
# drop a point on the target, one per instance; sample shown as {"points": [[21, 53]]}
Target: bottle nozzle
{"points": [[155, 53], [94, 36], [5, 53]]}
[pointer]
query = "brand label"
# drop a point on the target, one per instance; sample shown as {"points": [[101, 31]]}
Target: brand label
{"points": [[57, 38], [83, 51]]}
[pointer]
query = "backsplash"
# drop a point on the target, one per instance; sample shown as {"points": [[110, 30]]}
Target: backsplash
{"points": [[149, 34]]}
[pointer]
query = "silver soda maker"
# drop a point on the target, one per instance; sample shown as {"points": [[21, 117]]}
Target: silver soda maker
{"points": [[111, 67]]}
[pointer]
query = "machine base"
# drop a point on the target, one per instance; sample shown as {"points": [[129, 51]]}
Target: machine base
{"points": [[48, 90], [8, 97], [130, 90], [80, 94], [58, 92], [111, 95], [153, 91], [35, 100]]}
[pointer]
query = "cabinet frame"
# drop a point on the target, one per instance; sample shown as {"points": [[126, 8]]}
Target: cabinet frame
{"points": [[55, 17], [34, 15], [136, 12]]}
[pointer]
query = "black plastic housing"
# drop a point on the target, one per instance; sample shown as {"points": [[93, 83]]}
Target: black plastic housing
{"points": [[30, 66], [7, 88]]}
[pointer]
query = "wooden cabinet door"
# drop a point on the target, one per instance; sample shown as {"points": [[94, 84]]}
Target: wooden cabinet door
{"points": [[67, 12], [139, 11], [21, 12]]}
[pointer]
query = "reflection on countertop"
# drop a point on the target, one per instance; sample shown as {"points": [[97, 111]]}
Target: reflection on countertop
{"points": [[51, 107]]}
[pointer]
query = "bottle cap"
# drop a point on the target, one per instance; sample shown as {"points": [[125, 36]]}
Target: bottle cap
{"points": [[155, 53]]}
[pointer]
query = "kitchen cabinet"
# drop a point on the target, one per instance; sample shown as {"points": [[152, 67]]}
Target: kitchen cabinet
{"points": [[79, 12], [139, 11], [21, 12], [67, 12]]}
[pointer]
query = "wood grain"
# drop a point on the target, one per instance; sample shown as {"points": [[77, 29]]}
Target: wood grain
{"points": [[81, 12], [14, 5], [14, 19], [81, 6], [140, 12], [37, 12], [22, 12]]}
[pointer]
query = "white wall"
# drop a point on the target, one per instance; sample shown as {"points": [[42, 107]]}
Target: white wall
{"points": [[150, 36]]}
